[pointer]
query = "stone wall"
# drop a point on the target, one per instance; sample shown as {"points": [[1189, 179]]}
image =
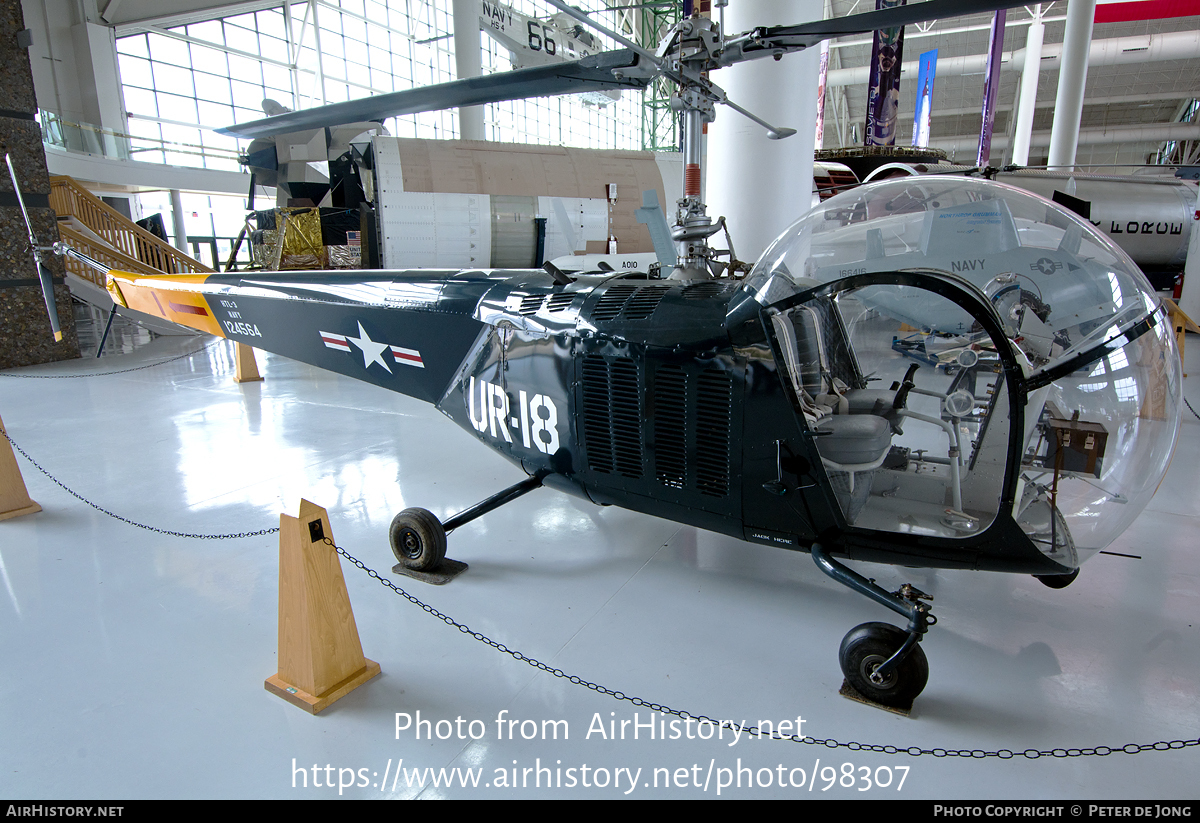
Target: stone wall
{"points": [[25, 336]]}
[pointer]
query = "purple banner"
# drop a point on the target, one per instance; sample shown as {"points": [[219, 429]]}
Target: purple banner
{"points": [[992, 90], [822, 77], [883, 96]]}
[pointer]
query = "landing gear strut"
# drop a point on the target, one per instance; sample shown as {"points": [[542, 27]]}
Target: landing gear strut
{"points": [[881, 662]]}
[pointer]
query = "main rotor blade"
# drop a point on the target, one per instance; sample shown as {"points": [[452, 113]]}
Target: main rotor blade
{"points": [[592, 73], [870, 21]]}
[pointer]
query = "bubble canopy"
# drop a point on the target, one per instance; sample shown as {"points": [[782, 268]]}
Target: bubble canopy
{"points": [[1083, 323]]}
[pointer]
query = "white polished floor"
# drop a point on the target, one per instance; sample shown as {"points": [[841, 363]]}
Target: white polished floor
{"points": [[132, 663]]}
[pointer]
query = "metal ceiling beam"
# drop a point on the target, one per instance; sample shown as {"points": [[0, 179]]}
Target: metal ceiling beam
{"points": [[1048, 103], [1176, 45], [1110, 135]]}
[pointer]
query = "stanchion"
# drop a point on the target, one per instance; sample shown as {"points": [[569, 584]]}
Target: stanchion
{"points": [[320, 656], [247, 366], [14, 497], [1181, 323]]}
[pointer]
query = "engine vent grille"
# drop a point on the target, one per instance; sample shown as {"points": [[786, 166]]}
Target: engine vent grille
{"points": [[644, 302], [530, 304], [629, 302], [561, 301], [714, 398], [670, 426], [612, 301], [702, 291], [612, 416]]}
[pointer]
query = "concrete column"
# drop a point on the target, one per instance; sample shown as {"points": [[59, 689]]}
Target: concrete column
{"points": [[468, 63], [25, 336], [1068, 104], [1029, 86], [762, 186]]}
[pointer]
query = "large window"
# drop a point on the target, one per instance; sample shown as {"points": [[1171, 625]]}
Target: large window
{"points": [[183, 81]]}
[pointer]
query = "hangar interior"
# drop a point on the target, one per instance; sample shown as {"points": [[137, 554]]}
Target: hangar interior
{"points": [[135, 658]]}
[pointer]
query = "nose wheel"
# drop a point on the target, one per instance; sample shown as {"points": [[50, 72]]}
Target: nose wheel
{"points": [[863, 652], [882, 664]]}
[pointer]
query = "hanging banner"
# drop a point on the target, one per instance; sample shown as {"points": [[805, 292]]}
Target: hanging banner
{"points": [[924, 112], [883, 96], [822, 76], [992, 90]]}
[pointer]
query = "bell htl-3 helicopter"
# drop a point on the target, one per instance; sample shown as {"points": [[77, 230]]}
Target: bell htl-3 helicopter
{"points": [[931, 371]]}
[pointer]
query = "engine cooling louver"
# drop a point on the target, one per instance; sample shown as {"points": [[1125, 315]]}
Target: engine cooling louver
{"points": [[530, 304], [612, 301], [612, 416], [703, 291], [670, 426], [628, 303], [714, 398], [644, 302]]}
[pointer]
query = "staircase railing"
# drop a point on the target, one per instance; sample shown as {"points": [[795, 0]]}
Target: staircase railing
{"points": [[100, 252], [131, 241]]}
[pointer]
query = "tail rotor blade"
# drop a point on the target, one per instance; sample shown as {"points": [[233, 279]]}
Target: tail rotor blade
{"points": [[51, 306], [44, 275]]}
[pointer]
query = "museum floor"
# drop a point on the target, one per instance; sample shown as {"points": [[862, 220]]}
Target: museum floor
{"points": [[132, 662]]}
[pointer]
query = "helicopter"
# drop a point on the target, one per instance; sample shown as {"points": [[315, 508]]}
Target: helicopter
{"points": [[1028, 390]]}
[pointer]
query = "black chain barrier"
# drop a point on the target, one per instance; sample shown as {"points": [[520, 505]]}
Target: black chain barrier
{"points": [[1189, 405], [205, 347], [829, 743], [103, 510]]}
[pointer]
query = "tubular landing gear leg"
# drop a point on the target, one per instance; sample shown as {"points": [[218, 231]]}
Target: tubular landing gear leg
{"points": [[418, 538], [882, 663]]}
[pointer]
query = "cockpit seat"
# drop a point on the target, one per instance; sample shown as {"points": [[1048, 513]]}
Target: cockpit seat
{"points": [[853, 439], [883, 402], [852, 447]]}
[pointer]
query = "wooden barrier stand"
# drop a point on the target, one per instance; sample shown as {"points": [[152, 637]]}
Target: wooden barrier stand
{"points": [[14, 497], [320, 656], [247, 366]]}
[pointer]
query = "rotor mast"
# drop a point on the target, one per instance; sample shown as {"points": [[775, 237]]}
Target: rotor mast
{"points": [[692, 226]]}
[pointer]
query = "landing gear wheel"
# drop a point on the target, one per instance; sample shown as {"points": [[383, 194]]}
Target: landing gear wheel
{"points": [[418, 539], [865, 648], [1058, 581]]}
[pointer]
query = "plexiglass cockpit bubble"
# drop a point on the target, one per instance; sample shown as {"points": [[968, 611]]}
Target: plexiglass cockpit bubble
{"points": [[1099, 371]]}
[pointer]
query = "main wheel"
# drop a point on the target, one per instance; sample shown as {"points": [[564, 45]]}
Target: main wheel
{"points": [[418, 539], [865, 648]]}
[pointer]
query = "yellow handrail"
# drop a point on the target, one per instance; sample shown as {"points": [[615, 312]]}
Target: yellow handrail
{"points": [[124, 236]]}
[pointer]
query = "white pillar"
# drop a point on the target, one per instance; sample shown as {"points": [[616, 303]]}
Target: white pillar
{"points": [[762, 186], [1189, 298], [1068, 104], [468, 63], [180, 228], [1029, 85]]}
